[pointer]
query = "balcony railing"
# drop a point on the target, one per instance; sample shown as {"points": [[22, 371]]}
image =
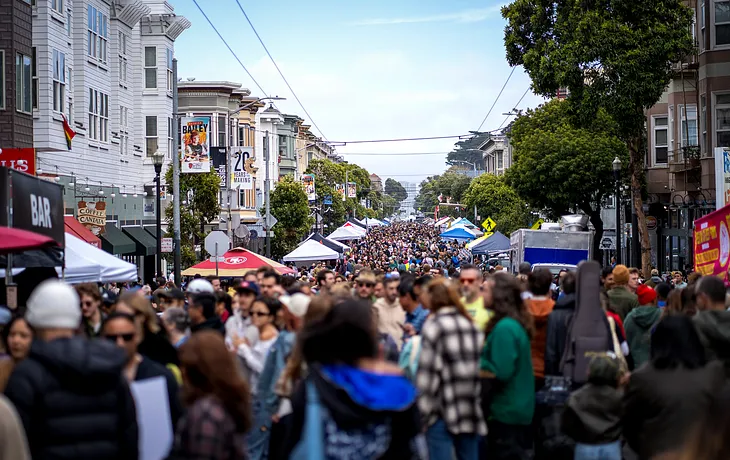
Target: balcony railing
{"points": [[684, 159]]}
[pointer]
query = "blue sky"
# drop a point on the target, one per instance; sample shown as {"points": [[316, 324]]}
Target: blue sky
{"points": [[366, 69]]}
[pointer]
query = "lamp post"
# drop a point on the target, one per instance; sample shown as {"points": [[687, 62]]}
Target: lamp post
{"points": [[157, 160], [617, 178]]}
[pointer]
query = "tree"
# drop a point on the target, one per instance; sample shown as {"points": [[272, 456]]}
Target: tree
{"points": [[548, 150], [196, 213], [610, 54], [494, 198], [289, 205], [395, 189], [450, 186], [328, 174]]}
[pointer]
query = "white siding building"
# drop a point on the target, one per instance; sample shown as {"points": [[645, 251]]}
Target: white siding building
{"points": [[107, 66]]}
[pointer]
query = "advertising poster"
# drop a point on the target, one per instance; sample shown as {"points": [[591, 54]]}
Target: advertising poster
{"points": [[712, 244], [195, 142], [219, 157], [340, 190], [308, 181], [351, 190], [241, 166], [22, 160]]}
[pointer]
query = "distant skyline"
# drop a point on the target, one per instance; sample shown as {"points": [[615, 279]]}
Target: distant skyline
{"points": [[366, 70]]}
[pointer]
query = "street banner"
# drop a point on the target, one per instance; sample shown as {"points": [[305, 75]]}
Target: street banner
{"points": [[351, 190], [712, 244], [340, 190], [22, 160], [195, 134], [308, 181], [241, 164], [219, 157]]}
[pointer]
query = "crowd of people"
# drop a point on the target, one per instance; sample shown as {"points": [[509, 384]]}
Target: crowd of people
{"points": [[403, 350]]}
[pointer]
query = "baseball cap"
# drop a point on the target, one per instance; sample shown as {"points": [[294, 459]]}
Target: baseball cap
{"points": [[248, 286], [199, 286]]}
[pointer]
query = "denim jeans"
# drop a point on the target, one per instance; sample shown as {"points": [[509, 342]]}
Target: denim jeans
{"points": [[442, 444], [611, 451]]}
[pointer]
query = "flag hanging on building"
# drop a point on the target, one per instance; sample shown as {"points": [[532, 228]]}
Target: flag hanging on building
{"points": [[70, 133]]}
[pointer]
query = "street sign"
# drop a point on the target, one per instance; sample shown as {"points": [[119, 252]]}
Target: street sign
{"points": [[537, 224], [489, 224], [608, 243], [651, 222], [166, 245], [217, 243], [271, 221]]}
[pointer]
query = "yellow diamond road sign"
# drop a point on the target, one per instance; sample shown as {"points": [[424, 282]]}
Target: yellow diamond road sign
{"points": [[537, 224], [489, 225]]}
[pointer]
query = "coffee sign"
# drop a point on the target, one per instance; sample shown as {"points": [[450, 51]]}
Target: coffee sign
{"points": [[93, 216]]}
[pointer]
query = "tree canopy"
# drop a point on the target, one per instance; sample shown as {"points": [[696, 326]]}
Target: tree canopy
{"points": [[395, 190], [494, 198], [289, 205], [547, 152], [610, 54], [327, 175], [450, 185]]}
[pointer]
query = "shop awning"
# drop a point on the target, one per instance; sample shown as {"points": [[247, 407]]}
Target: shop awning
{"points": [[114, 241], [78, 230], [146, 243]]}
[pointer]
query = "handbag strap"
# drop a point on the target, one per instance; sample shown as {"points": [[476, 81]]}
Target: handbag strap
{"points": [[313, 431]]}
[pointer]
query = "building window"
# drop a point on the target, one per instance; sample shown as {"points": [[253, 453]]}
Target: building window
{"points": [[703, 125], [500, 159], [169, 69], [169, 138], [23, 83], [59, 81], [702, 25], [661, 140], [2, 79], [122, 71], [688, 135], [722, 22], [57, 6], [221, 130], [98, 116], [722, 120], [123, 130], [150, 134], [98, 34], [68, 23], [150, 67]]}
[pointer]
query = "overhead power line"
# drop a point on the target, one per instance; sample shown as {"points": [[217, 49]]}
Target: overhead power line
{"points": [[516, 105], [393, 154], [229, 48], [497, 99], [279, 70]]}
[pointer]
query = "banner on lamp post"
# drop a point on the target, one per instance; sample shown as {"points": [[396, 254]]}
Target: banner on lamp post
{"points": [[195, 142], [308, 181]]}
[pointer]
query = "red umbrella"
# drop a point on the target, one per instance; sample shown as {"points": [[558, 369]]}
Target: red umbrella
{"points": [[236, 262], [17, 240]]}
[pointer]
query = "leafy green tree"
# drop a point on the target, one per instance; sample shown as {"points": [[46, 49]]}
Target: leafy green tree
{"points": [[195, 214], [610, 54], [451, 185], [289, 205], [548, 150], [494, 198], [328, 174], [394, 189]]}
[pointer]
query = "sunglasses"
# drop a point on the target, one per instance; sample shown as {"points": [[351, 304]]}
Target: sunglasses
{"points": [[366, 284], [467, 280], [259, 313], [115, 337], [87, 304]]}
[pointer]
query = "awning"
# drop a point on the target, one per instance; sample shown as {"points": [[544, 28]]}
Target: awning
{"points": [[146, 243], [78, 230], [114, 241]]}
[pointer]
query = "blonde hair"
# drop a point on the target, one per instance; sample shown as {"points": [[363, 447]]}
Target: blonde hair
{"points": [[141, 306]]}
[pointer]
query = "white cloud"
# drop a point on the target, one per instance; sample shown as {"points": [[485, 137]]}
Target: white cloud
{"points": [[464, 16]]}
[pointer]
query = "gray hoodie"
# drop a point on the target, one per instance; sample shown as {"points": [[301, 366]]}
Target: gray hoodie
{"points": [[713, 327]]}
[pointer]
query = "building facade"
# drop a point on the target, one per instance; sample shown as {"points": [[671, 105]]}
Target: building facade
{"points": [[16, 77], [407, 206], [376, 183]]}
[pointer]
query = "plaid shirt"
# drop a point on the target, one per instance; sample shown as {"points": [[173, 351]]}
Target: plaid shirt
{"points": [[207, 432], [448, 373]]}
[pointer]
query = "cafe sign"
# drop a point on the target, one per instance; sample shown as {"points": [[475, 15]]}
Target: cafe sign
{"points": [[92, 216]]}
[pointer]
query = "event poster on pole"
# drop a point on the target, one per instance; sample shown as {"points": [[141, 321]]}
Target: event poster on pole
{"points": [[308, 181], [340, 190], [195, 142], [351, 190]]}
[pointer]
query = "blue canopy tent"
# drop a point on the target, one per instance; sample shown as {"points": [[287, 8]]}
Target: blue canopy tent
{"points": [[496, 242], [458, 233]]}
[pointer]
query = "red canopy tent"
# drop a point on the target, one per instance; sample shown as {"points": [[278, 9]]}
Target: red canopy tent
{"points": [[17, 240], [236, 262]]}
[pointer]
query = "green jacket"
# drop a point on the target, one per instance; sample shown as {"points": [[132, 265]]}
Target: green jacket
{"points": [[638, 326], [507, 355], [622, 300]]}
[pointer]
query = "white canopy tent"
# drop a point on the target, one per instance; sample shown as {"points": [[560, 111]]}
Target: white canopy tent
{"points": [[355, 228], [344, 234], [87, 264], [311, 251], [370, 222]]}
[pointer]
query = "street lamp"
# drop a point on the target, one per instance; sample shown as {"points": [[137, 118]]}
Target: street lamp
{"points": [[157, 160], [617, 179]]}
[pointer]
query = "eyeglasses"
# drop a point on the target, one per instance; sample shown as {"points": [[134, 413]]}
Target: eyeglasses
{"points": [[260, 313], [467, 280], [366, 284], [114, 337]]}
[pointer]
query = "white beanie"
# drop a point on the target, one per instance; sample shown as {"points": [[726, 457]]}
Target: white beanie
{"points": [[199, 286], [54, 304], [297, 304]]}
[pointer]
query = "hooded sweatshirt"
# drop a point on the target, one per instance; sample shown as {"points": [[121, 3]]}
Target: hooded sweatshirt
{"points": [[540, 308], [365, 415], [638, 326], [74, 401], [714, 329]]}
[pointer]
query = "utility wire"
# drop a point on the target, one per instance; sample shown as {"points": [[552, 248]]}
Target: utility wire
{"points": [[516, 105], [497, 99], [279, 70], [229, 48], [393, 154]]}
